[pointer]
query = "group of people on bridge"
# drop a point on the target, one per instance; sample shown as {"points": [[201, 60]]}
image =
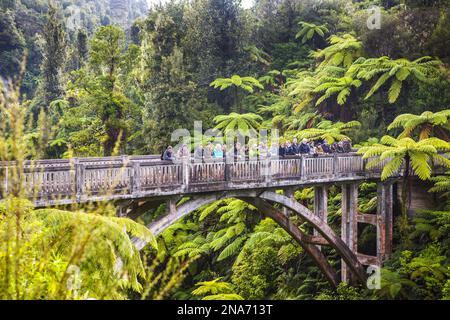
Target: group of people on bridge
{"points": [[242, 152], [313, 147]]}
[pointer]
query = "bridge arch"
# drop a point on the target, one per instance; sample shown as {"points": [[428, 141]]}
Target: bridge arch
{"points": [[263, 200]]}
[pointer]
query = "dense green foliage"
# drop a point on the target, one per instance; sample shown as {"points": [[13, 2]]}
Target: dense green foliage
{"points": [[92, 83]]}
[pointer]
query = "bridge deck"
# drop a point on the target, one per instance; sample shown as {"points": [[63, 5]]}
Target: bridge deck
{"points": [[52, 182]]}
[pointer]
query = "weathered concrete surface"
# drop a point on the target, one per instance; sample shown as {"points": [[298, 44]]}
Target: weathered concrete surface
{"points": [[349, 225], [384, 220], [304, 213], [420, 198], [303, 239], [80, 180]]}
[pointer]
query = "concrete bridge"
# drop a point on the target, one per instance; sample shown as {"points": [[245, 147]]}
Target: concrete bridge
{"points": [[139, 184]]}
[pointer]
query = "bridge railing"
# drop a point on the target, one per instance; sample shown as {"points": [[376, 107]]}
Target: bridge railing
{"points": [[248, 170], [84, 177], [352, 163], [207, 172], [318, 166], [285, 169]]}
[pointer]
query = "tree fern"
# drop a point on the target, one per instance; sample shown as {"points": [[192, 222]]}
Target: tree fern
{"points": [[427, 123], [441, 184], [341, 87], [59, 247], [235, 210], [224, 296], [278, 110], [209, 209], [232, 249], [197, 247], [216, 290], [343, 50], [272, 78], [248, 84], [258, 55], [393, 285], [398, 151], [396, 72], [226, 235], [395, 153], [266, 233], [302, 121], [235, 122], [310, 30], [302, 85], [328, 131]]}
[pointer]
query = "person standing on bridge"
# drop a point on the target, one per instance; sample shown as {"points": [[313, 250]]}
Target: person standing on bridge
{"points": [[289, 149], [208, 152], [225, 152], [282, 150], [183, 152], [239, 152], [326, 147], [346, 145], [198, 153], [337, 147], [274, 150], [218, 152], [318, 150], [295, 147], [168, 154], [304, 147], [263, 150]]}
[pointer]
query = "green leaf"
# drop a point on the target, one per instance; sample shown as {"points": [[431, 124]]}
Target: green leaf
{"points": [[338, 58], [402, 74], [224, 296], [237, 81], [232, 248], [394, 90], [342, 96], [381, 80]]}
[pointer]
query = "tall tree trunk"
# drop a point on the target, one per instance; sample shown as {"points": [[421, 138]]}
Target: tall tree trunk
{"points": [[237, 101], [345, 114], [406, 196], [441, 133]]}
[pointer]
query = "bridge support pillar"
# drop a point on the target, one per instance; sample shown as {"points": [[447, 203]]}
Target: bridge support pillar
{"points": [[349, 224], [288, 192], [384, 220], [80, 172], [321, 204], [136, 178], [172, 206], [185, 172], [122, 208]]}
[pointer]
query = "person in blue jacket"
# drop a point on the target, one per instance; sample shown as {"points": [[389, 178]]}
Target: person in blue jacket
{"points": [[289, 149], [168, 154], [282, 150], [304, 147], [217, 152], [295, 146]]}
